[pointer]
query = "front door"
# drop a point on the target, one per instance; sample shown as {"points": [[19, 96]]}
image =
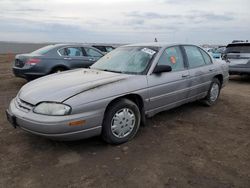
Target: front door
{"points": [[92, 55], [169, 89]]}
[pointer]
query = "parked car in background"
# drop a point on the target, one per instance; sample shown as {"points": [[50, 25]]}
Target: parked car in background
{"points": [[238, 57], [217, 52], [207, 49], [54, 58], [115, 95], [104, 49], [237, 41]]}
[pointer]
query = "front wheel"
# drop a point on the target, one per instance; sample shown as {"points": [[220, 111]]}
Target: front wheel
{"points": [[121, 122], [213, 93]]}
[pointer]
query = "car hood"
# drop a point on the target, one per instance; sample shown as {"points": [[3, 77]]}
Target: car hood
{"points": [[61, 86]]}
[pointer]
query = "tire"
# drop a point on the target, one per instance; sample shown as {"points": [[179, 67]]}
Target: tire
{"points": [[116, 128], [57, 69], [30, 78], [213, 93]]}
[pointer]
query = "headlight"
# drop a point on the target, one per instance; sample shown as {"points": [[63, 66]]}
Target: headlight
{"points": [[52, 108]]}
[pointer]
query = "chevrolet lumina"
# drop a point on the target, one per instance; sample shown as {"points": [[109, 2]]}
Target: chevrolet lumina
{"points": [[117, 93]]}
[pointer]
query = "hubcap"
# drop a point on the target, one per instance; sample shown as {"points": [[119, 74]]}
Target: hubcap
{"points": [[123, 123], [214, 92]]}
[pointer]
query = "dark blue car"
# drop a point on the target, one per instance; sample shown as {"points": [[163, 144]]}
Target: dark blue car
{"points": [[55, 58]]}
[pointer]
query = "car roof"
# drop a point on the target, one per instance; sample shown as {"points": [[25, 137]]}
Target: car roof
{"points": [[157, 44], [238, 44], [102, 45], [71, 44]]}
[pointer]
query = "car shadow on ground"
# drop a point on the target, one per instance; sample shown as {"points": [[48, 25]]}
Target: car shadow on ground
{"points": [[240, 79]]}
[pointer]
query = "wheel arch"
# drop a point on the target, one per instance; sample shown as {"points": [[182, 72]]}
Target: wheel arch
{"points": [[58, 66], [136, 98], [220, 78]]}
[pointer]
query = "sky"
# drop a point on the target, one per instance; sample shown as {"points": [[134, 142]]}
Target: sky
{"points": [[125, 21]]}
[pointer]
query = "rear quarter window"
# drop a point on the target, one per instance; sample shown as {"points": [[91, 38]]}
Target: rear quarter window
{"points": [[43, 50], [206, 57]]}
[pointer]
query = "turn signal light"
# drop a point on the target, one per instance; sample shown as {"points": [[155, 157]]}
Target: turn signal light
{"points": [[77, 123]]}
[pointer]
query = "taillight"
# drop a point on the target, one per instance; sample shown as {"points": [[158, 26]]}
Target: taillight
{"points": [[33, 61]]}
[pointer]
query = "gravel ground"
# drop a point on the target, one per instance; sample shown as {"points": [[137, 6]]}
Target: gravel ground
{"points": [[189, 146]]}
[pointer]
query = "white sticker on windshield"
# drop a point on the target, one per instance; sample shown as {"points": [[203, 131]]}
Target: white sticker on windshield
{"points": [[148, 51]]}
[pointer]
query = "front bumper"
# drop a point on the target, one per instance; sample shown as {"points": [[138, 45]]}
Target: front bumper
{"points": [[55, 127]]}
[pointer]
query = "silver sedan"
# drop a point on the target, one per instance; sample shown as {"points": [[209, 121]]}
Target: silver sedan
{"points": [[116, 95]]}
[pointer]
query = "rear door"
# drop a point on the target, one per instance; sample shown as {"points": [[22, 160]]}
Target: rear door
{"points": [[74, 57], [201, 70], [169, 89]]}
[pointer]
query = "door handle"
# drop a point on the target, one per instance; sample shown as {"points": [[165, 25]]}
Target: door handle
{"points": [[91, 59], [185, 75], [211, 69], [67, 58]]}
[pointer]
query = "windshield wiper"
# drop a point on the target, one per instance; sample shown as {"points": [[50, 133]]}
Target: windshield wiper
{"points": [[112, 71]]}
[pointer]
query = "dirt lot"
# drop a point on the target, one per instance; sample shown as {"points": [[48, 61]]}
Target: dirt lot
{"points": [[190, 146]]}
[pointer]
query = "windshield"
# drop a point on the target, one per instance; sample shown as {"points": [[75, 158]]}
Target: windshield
{"points": [[128, 60], [43, 50]]}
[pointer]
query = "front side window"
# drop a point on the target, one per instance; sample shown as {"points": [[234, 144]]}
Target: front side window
{"points": [[173, 57], [92, 53], [195, 59], [109, 48], [128, 60], [71, 51], [101, 48]]}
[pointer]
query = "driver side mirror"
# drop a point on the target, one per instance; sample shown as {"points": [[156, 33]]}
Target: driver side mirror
{"points": [[162, 68]]}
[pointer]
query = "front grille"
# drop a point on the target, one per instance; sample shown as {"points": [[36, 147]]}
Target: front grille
{"points": [[19, 63], [22, 105]]}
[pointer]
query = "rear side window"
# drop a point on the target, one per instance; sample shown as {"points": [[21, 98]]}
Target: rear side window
{"points": [[238, 48], [195, 58], [206, 57], [92, 53], [173, 57], [71, 51]]}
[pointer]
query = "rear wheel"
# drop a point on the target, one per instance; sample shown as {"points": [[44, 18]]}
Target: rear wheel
{"points": [[213, 93], [121, 122]]}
